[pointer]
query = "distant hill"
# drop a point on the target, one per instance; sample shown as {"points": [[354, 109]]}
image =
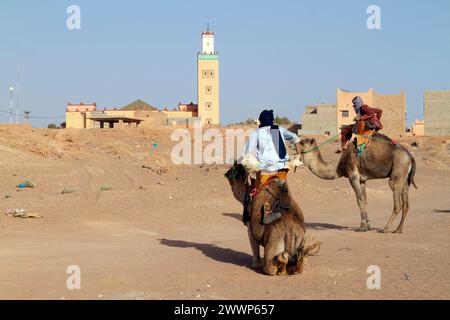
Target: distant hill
{"points": [[139, 105]]}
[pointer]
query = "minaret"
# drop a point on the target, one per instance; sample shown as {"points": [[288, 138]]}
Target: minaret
{"points": [[208, 81]]}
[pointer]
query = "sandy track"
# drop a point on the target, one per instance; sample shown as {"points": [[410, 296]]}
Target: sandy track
{"points": [[178, 234]]}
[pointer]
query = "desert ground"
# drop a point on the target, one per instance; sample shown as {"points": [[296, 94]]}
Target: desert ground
{"points": [[140, 227]]}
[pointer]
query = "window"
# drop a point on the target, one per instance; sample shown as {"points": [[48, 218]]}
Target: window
{"points": [[208, 73], [328, 133], [208, 90], [208, 106], [209, 121], [345, 114]]}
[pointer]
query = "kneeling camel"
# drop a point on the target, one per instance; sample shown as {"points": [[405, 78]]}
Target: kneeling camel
{"points": [[284, 240]]}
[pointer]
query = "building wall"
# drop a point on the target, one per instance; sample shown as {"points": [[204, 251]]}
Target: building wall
{"points": [[208, 88], [80, 120], [75, 120], [344, 104], [437, 113], [394, 109], [394, 112], [180, 114], [418, 128], [319, 120]]}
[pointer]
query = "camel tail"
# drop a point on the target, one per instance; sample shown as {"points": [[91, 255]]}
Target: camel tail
{"points": [[412, 173], [308, 247]]}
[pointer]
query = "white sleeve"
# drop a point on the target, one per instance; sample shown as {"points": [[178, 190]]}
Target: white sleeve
{"points": [[289, 136], [252, 145]]}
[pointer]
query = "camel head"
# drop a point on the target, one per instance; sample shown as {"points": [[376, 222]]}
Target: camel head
{"points": [[311, 157], [308, 150], [237, 177]]}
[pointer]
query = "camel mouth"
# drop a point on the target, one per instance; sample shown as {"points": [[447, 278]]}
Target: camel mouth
{"points": [[235, 172]]}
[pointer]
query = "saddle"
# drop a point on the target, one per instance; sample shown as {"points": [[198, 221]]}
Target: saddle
{"points": [[363, 136], [270, 212]]}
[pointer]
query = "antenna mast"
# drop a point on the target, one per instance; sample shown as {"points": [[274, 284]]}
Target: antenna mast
{"points": [[17, 97]]}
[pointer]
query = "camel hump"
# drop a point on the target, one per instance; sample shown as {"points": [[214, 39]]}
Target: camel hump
{"points": [[412, 171]]}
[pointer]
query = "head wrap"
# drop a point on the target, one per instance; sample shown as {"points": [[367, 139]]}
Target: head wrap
{"points": [[357, 103], [266, 118]]}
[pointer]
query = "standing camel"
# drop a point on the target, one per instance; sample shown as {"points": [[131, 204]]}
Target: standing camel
{"points": [[381, 159]]}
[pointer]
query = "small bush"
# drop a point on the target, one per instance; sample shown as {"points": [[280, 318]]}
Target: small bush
{"points": [[67, 191], [105, 188]]}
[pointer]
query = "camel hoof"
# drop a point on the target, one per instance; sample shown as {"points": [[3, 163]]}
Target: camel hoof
{"points": [[364, 228], [398, 231], [257, 264]]}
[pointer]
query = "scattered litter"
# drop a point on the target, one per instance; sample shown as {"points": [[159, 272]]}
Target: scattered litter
{"points": [[22, 213], [26, 184], [105, 188], [170, 197], [142, 188], [161, 183]]}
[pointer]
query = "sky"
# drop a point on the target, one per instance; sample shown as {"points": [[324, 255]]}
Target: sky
{"points": [[281, 55]]}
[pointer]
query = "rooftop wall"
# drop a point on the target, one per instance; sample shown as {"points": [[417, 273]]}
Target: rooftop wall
{"points": [[319, 120], [394, 112], [437, 113]]}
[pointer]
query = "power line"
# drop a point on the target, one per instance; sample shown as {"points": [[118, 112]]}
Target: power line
{"points": [[34, 117]]}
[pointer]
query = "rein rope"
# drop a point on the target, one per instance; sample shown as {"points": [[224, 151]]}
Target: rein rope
{"points": [[334, 138], [322, 144]]}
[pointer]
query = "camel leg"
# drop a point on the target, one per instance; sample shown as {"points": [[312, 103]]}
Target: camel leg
{"points": [[256, 261], [283, 260], [397, 191], [405, 207], [299, 266], [360, 191], [271, 254]]}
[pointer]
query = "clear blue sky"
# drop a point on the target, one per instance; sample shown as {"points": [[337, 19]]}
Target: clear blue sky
{"points": [[278, 54]]}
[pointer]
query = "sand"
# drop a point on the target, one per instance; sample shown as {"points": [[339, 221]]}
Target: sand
{"points": [[140, 227]]}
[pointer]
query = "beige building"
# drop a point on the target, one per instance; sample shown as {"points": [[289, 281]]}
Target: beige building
{"points": [[206, 111], [393, 106], [418, 128], [208, 81], [321, 120], [88, 116], [437, 113]]}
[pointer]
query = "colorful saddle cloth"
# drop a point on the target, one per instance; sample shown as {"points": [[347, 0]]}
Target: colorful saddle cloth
{"points": [[363, 137], [263, 180]]}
